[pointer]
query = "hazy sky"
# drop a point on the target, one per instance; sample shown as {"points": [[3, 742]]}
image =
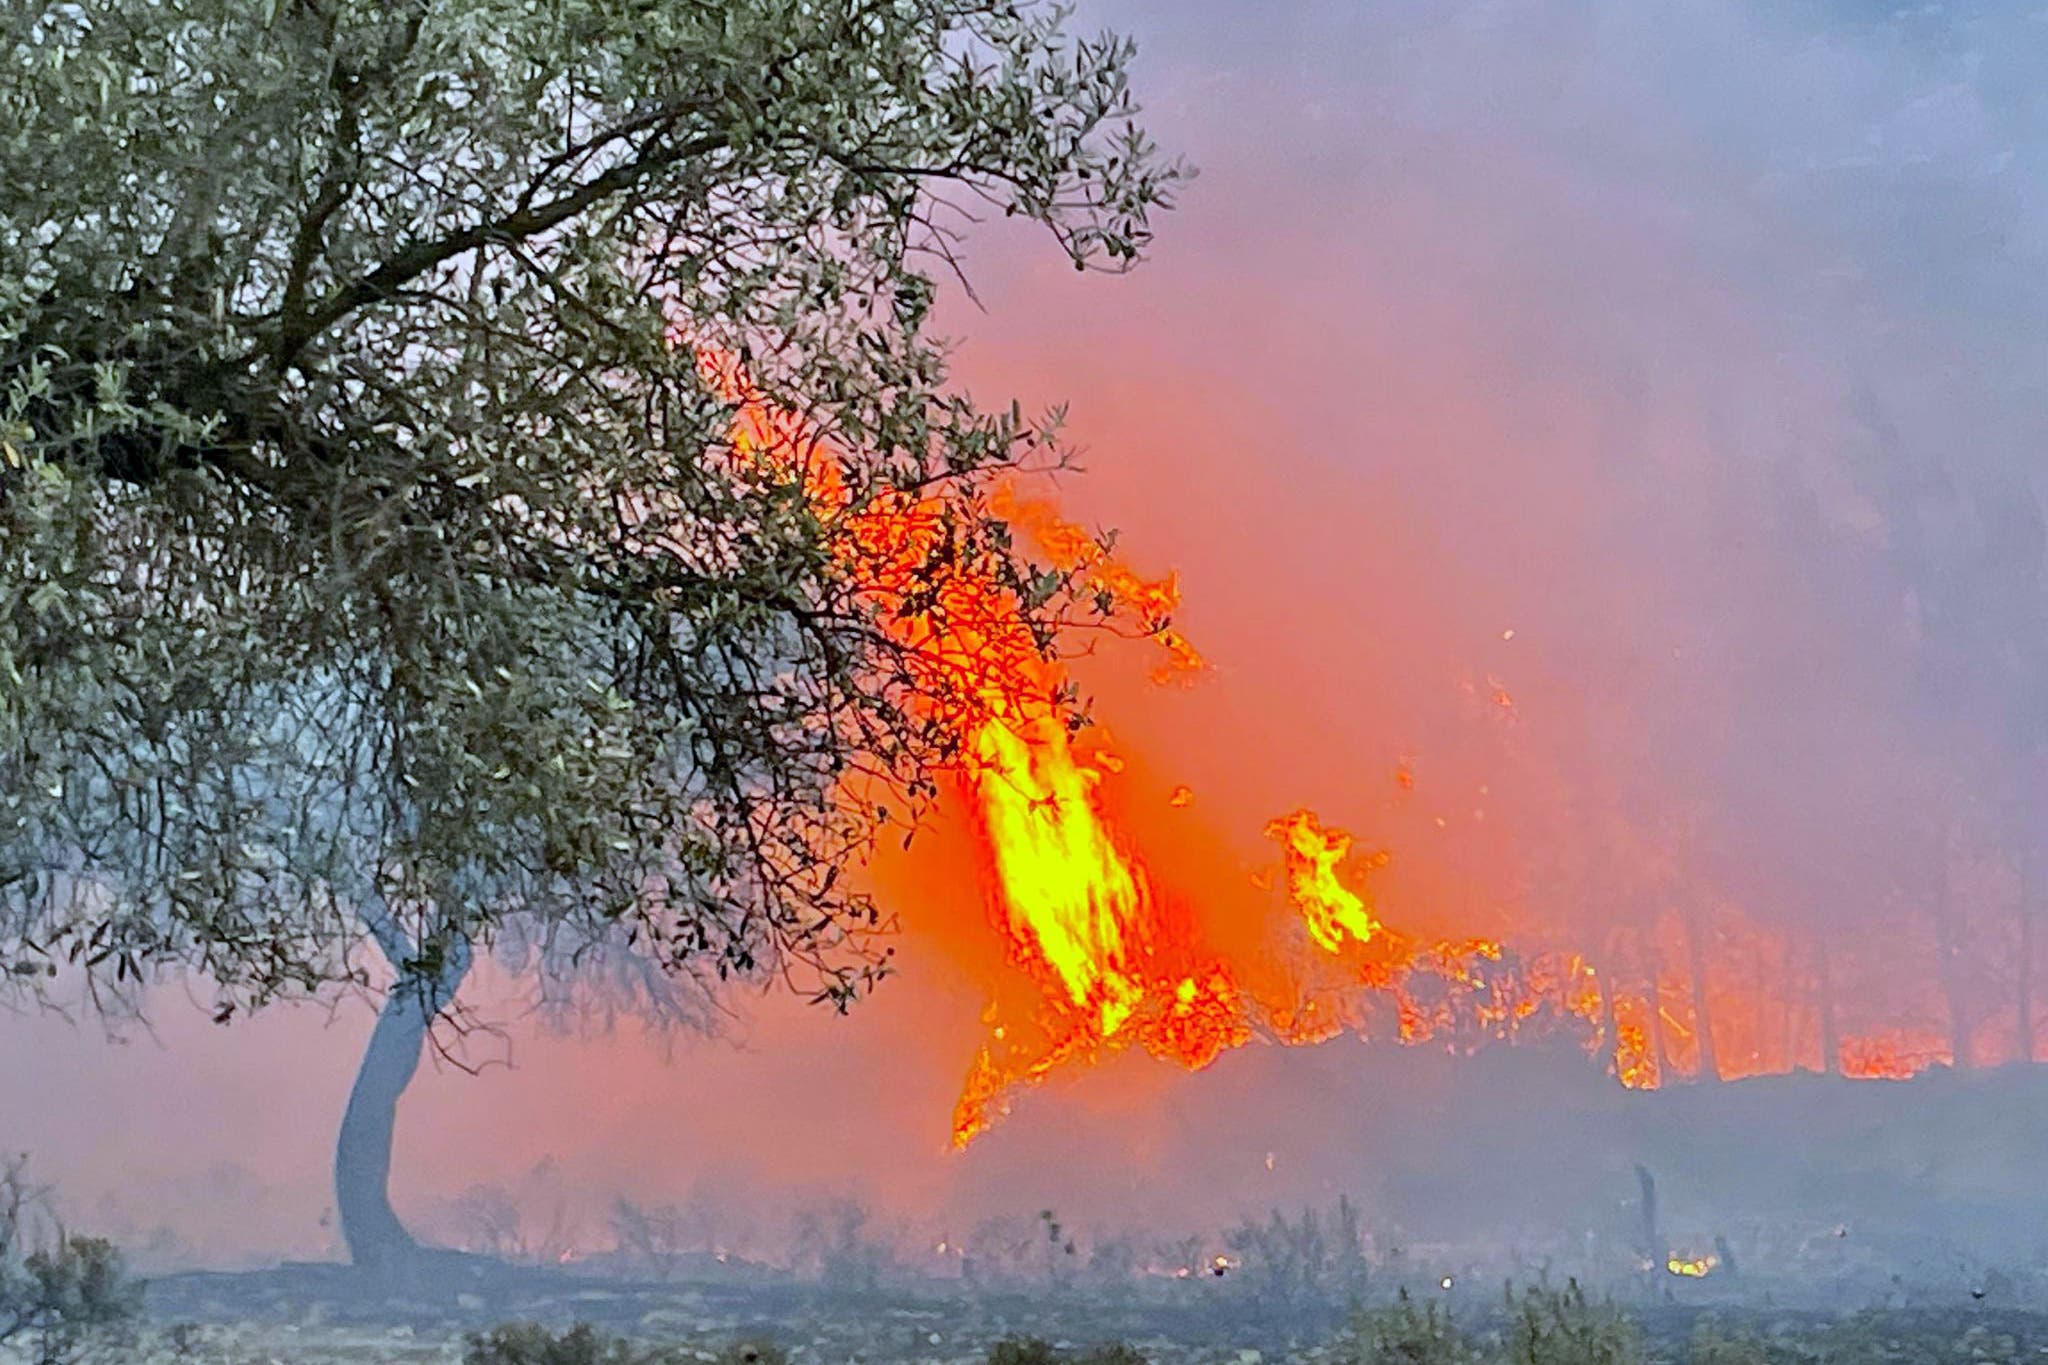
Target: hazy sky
{"points": [[1699, 345]]}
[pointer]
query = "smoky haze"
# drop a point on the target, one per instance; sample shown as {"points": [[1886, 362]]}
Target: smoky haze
{"points": [[1599, 445]]}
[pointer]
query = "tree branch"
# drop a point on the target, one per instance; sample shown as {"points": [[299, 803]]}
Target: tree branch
{"points": [[519, 225]]}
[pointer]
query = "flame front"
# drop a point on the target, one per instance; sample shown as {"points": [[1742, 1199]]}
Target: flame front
{"points": [[1119, 961]]}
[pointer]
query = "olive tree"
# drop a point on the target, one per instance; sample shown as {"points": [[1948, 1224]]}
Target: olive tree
{"points": [[376, 565]]}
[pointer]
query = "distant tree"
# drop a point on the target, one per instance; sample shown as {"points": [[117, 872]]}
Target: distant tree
{"points": [[376, 561]]}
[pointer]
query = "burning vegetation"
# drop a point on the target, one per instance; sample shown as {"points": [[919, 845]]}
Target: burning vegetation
{"points": [[1113, 947]]}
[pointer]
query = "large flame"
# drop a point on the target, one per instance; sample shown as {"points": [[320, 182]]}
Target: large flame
{"points": [[1120, 961], [1071, 899]]}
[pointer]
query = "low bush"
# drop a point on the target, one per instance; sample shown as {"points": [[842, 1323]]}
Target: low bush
{"points": [[529, 1343], [1033, 1351], [63, 1297], [1404, 1333], [1547, 1326]]}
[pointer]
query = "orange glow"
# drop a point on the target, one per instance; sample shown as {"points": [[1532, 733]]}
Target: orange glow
{"points": [[1150, 602], [1114, 956], [1892, 1055], [1635, 1064]]}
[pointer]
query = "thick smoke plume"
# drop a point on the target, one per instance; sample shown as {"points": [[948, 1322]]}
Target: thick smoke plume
{"points": [[1599, 447]]}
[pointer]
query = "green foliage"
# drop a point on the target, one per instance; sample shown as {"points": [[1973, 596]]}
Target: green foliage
{"points": [[63, 1296], [1403, 1333], [1711, 1345], [753, 1353], [529, 1343], [1023, 1351], [79, 1296], [1034, 1351], [1112, 1353], [369, 536], [1547, 1326], [1541, 1326]]}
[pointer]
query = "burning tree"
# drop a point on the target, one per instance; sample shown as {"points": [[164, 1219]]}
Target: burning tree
{"points": [[380, 561]]}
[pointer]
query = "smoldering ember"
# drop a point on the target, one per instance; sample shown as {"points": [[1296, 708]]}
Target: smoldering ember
{"points": [[772, 681]]}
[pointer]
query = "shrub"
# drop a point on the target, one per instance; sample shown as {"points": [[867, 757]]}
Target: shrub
{"points": [[1548, 1326], [61, 1295], [1711, 1346], [753, 1353], [529, 1343], [1023, 1351], [834, 1241], [1032, 1351], [1404, 1334], [1112, 1353], [1287, 1263]]}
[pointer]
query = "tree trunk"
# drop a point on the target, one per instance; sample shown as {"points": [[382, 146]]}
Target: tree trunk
{"points": [[1952, 984], [375, 1237], [1708, 1068], [1610, 1022], [1657, 1048], [1830, 1040], [1653, 1251]]}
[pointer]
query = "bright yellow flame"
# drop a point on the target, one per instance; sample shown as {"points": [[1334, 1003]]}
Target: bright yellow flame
{"points": [[1067, 890], [1331, 910], [1121, 962]]}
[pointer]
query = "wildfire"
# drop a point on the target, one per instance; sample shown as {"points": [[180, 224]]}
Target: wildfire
{"points": [[1151, 602], [1119, 960], [1892, 1055], [1071, 896]]}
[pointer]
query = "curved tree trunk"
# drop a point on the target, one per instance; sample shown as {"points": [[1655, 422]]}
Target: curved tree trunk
{"points": [[362, 1151]]}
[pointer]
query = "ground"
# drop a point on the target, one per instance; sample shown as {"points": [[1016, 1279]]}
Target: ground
{"points": [[323, 1315]]}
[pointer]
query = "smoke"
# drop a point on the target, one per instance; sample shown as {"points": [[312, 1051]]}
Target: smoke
{"points": [[1598, 443], [1671, 378]]}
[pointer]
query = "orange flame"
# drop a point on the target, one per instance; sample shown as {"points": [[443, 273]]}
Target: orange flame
{"points": [[1117, 961], [1330, 910]]}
